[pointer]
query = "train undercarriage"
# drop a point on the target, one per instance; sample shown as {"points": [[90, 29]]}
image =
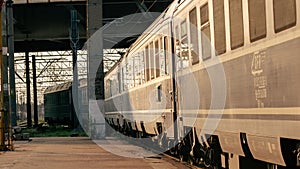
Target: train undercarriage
{"points": [[207, 152]]}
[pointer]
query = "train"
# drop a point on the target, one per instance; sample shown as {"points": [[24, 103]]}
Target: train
{"points": [[59, 105], [215, 81]]}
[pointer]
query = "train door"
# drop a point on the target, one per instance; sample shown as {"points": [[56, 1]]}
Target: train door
{"points": [[186, 87], [181, 63], [178, 64]]}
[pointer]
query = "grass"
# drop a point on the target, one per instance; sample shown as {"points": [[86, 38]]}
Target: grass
{"points": [[54, 131]]}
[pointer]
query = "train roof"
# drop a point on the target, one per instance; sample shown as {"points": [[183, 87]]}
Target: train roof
{"points": [[57, 88], [166, 12], [64, 86]]}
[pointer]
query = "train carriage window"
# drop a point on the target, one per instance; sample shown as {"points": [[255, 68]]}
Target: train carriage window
{"points": [[183, 29], [108, 88], [127, 81], [257, 19], [113, 85], [219, 26], [151, 55], [204, 15], [162, 55], [142, 67], [177, 48], [124, 78], [166, 54], [136, 71], [129, 72], [147, 72], [194, 36], [184, 45], [182, 48], [156, 51], [284, 14], [236, 23], [205, 32], [159, 93], [116, 84]]}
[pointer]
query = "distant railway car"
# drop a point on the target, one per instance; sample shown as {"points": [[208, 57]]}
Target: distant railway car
{"points": [[58, 104], [220, 77]]}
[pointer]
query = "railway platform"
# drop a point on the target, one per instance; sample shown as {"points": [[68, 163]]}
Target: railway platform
{"points": [[80, 152]]}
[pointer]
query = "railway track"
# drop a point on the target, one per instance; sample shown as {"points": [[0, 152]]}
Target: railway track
{"points": [[167, 157], [175, 160]]}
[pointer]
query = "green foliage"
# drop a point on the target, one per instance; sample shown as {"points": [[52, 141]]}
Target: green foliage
{"points": [[54, 131]]}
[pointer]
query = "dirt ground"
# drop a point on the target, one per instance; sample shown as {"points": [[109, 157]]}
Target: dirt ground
{"points": [[79, 153]]}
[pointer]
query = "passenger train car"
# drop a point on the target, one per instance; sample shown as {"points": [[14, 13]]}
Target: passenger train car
{"points": [[217, 79]]}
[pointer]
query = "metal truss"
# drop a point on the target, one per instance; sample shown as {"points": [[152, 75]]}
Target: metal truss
{"points": [[52, 68], [112, 56], [56, 67]]}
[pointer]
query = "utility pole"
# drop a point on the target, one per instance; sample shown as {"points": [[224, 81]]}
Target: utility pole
{"points": [[74, 45]]}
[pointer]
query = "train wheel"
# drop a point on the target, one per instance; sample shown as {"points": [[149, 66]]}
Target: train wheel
{"points": [[194, 160], [173, 148], [181, 157], [184, 151], [207, 158]]}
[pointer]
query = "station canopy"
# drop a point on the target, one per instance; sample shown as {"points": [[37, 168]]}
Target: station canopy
{"points": [[44, 25]]}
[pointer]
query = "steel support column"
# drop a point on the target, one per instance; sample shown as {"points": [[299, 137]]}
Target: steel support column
{"points": [[35, 101], [29, 122], [2, 122], [5, 114], [95, 67], [11, 50], [5, 68]]}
